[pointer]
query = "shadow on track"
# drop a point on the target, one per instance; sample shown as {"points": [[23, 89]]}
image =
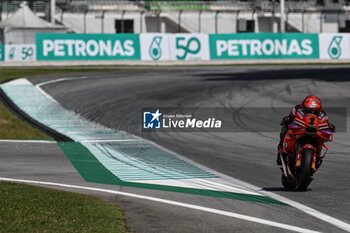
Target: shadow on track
{"points": [[323, 74], [281, 189]]}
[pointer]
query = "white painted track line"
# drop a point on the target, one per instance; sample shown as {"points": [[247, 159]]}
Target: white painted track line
{"points": [[28, 141], [38, 86], [170, 202], [315, 213], [108, 140]]}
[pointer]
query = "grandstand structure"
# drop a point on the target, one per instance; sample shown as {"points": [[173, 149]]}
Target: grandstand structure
{"points": [[194, 16]]}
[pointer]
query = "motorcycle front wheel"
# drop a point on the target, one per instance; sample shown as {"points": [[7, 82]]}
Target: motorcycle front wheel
{"points": [[288, 184], [305, 172]]}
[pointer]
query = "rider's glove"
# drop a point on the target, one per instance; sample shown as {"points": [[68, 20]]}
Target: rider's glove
{"points": [[286, 120]]}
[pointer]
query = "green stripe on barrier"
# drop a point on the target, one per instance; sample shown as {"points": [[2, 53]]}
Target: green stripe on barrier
{"points": [[2, 52]]}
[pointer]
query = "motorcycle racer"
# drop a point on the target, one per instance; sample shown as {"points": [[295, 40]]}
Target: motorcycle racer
{"points": [[310, 105]]}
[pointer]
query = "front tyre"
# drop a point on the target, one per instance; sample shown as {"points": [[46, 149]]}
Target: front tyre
{"points": [[305, 172], [288, 184]]}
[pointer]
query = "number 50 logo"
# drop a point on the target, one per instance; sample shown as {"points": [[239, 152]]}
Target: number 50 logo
{"points": [[20, 52], [27, 53], [191, 47]]}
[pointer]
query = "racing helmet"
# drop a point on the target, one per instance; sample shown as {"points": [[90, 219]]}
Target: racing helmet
{"points": [[312, 104]]}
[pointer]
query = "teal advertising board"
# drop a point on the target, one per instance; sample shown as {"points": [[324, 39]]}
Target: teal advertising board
{"points": [[160, 46], [2, 52], [263, 46], [63, 47]]}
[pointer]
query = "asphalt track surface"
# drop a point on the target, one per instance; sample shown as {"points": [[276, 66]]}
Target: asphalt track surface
{"points": [[116, 99]]}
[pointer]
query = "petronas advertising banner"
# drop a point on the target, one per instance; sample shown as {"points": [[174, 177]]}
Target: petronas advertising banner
{"points": [[264, 46], [184, 46], [155, 47], [189, 47], [20, 52], [334, 46], [175, 47], [88, 46]]}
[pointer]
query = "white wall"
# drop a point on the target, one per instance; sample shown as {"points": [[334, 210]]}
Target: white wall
{"points": [[265, 24], [295, 20], [330, 23], [207, 22], [312, 22], [198, 22], [73, 21], [227, 23], [97, 22]]}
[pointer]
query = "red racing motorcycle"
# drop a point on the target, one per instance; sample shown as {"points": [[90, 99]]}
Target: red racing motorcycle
{"points": [[304, 148]]}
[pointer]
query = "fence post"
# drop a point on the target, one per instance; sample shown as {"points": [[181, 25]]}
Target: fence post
{"points": [[85, 13], [199, 21], [52, 11], [141, 21], [158, 20], [216, 21], [321, 22], [237, 16], [179, 21], [122, 18], [303, 21], [282, 16], [103, 22]]}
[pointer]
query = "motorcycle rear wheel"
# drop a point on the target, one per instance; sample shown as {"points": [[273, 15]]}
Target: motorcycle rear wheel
{"points": [[305, 172]]}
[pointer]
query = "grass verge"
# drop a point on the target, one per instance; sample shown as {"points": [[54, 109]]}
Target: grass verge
{"points": [[26, 208], [11, 127]]}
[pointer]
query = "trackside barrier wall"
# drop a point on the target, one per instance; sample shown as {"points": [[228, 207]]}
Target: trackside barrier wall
{"points": [[178, 47], [1, 52]]}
